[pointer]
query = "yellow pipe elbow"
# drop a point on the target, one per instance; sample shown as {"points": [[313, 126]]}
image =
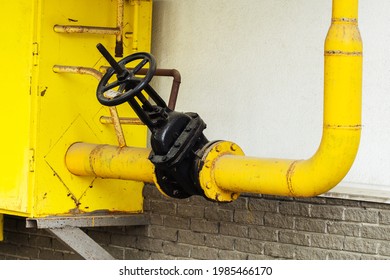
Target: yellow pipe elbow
{"points": [[224, 172], [341, 129]]}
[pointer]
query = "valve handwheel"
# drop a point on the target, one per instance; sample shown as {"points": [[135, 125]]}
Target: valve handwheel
{"points": [[127, 85]]}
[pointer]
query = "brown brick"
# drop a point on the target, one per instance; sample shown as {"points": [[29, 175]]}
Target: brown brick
{"points": [[310, 225], [190, 211], [249, 217], [259, 257], [263, 233], [204, 253], [240, 203], [331, 212], [148, 244], [373, 257], [231, 255], [164, 233], [308, 253], [156, 219], [384, 248], [190, 237], [361, 245], [123, 240], [344, 228], [219, 241], [72, 256], [292, 208], [47, 254], [361, 215], [117, 252], [136, 231], [376, 232], [279, 221], [327, 241], [177, 250], [232, 229], [162, 207], [40, 241], [265, 205], [374, 205], [135, 254], [151, 192], [159, 256], [249, 246], [384, 217], [294, 237], [100, 237], [200, 225], [278, 250], [177, 222], [218, 214], [17, 238], [340, 255]]}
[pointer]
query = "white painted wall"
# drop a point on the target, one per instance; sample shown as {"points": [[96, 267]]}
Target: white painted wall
{"points": [[253, 70]]}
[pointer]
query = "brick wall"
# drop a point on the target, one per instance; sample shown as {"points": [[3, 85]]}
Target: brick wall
{"points": [[253, 227]]}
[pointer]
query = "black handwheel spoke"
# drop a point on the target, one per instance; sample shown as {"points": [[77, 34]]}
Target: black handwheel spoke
{"points": [[129, 85], [113, 85], [140, 65]]}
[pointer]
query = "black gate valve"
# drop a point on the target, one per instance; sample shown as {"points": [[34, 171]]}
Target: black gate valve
{"points": [[176, 138]]}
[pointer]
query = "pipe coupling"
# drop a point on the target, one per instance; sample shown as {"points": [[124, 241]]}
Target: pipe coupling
{"points": [[209, 156]]}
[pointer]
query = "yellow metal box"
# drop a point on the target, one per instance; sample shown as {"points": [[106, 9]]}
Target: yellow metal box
{"points": [[44, 112]]}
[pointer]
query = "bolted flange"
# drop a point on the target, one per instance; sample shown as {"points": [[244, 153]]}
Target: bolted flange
{"points": [[210, 154]]}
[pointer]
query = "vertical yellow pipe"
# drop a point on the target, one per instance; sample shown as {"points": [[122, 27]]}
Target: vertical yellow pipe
{"points": [[1, 227], [341, 125]]}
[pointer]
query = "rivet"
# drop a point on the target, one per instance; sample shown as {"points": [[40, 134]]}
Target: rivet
{"points": [[207, 164], [208, 185], [218, 148], [233, 147]]}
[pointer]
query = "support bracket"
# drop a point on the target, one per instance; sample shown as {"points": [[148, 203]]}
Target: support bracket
{"points": [[67, 230]]}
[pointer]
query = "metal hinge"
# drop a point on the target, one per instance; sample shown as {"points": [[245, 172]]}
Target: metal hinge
{"points": [[31, 161], [35, 53]]}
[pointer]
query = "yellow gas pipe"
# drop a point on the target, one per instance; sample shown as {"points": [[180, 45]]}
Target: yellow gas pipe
{"points": [[341, 128], [226, 172]]}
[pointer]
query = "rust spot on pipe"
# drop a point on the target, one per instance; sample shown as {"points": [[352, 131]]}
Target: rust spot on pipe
{"points": [[348, 20], [289, 174], [352, 127], [342, 53]]}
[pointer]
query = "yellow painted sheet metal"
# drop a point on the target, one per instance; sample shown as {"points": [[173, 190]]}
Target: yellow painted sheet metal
{"points": [[45, 112]]}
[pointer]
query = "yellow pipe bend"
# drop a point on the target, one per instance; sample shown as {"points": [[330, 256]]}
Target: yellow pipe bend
{"points": [[341, 128], [224, 172]]}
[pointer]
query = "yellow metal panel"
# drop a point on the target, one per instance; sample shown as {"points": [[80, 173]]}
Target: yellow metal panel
{"points": [[16, 56], [52, 111]]}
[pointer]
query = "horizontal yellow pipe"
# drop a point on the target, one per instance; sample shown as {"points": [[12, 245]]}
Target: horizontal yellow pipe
{"points": [[341, 128], [105, 161]]}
